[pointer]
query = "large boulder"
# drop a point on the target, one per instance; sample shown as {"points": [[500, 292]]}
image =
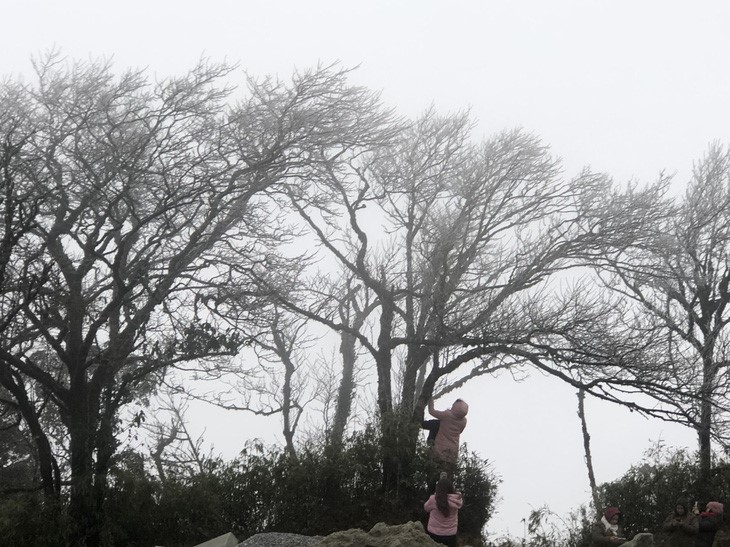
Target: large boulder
{"points": [[410, 534], [722, 538], [640, 540], [280, 539], [226, 540]]}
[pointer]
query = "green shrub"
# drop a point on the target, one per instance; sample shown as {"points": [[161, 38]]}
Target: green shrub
{"points": [[648, 491], [263, 490], [28, 519]]}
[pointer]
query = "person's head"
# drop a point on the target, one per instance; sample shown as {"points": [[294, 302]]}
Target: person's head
{"points": [[680, 509], [444, 487], [460, 408], [612, 514], [715, 507]]}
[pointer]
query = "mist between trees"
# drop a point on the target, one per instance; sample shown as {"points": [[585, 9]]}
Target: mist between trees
{"points": [[188, 228]]}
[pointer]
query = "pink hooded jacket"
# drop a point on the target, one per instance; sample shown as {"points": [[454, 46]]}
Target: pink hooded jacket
{"points": [[438, 523], [453, 422]]}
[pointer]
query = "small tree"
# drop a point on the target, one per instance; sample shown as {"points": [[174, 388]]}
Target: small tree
{"points": [[174, 451]]}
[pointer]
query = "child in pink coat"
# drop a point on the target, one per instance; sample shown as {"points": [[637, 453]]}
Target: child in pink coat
{"points": [[443, 512], [447, 429]]}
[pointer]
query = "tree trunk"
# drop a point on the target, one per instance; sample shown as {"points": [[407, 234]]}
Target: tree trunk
{"points": [[417, 356], [287, 407], [106, 446], [343, 406], [383, 360], [47, 465], [399, 437], [704, 444], [704, 429], [587, 448], [389, 420], [83, 509]]}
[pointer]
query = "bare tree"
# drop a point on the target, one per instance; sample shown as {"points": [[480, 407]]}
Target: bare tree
{"points": [[458, 243], [21, 277], [284, 375], [676, 294], [153, 198], [286, 344], [174, 451]]}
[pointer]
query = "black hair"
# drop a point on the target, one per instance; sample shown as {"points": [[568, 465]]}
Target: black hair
{"points": [[444, 487]]}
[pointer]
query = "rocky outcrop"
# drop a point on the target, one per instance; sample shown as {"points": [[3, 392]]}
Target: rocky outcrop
{"points": [[410, 534], [278, 539], [226, 540], [722, 538], [640, 540]]}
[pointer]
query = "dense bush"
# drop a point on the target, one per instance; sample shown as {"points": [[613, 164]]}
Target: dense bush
{"points": [[27, 519], [646, 494], [319, 493], [263, 490], [479, 487], [648, 491]]}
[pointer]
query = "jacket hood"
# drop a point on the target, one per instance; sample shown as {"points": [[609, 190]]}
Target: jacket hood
{"points": [[716, 507], [460, 408]]}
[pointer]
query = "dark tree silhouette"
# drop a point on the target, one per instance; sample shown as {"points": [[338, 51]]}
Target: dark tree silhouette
{"points": [[132, 206]]}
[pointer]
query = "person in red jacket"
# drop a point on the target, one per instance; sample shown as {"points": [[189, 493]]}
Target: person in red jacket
{"points": [[446, 431], [443, 512], [709, 522]]}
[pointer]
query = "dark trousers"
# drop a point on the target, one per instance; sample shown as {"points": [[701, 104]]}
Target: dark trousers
{"points": [[444, 540], [433, 428]]}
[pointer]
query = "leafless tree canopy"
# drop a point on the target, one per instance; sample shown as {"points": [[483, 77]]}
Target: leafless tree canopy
{"points": [[188, 224], [129, 207]]}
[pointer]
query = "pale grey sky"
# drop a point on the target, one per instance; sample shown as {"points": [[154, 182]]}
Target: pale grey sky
{"points": [[628, 87]]}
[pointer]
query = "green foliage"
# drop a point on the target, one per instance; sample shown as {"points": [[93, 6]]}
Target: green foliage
{"points": [[321, 492], [263, 490], [646, 494], [479, 487], [141, 510], [546, 529], [648, 491], [30, 520]]}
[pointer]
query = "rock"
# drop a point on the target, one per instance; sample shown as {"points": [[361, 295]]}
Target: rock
{"points": [[410, 534], [640, 540], [722, 538], [280, 539], [226, 540]]}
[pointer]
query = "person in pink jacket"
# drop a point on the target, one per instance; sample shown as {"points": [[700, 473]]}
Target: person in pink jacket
{"points": [[443, 512], [450, 424]]}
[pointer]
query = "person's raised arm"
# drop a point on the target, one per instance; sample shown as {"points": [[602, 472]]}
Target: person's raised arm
{"points": [[433, 412]]}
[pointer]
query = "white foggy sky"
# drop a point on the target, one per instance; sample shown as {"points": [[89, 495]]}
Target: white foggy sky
{"points": [[628, 87]]}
